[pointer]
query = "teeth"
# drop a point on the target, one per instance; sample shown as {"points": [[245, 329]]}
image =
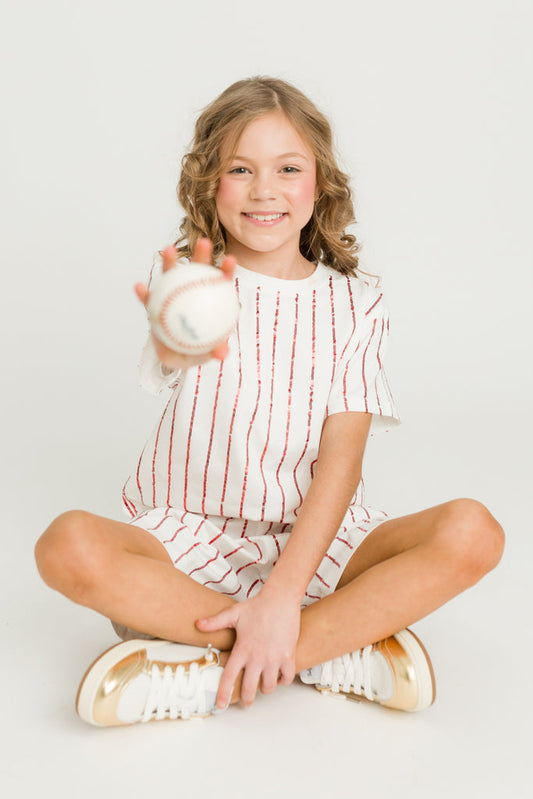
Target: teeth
{"points": [[265, 217]]}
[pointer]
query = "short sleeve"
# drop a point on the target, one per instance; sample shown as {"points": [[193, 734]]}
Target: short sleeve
{"points": [[360, 382], [153, 376]]}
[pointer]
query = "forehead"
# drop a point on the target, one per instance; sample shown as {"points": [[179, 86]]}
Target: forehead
{"points": [[271, 135]]}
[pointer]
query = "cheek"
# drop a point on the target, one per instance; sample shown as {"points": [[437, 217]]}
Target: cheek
{"points": [[303, 193], [227, 195]]}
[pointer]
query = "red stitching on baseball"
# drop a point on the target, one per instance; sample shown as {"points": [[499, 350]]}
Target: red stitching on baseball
{"points": [[180, 290]]}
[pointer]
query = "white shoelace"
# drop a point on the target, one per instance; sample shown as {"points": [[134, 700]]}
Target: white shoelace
{"points": [[350, 673], [176, 693]]}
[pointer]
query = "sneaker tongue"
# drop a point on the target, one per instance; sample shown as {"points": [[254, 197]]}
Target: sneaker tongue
{"points": [[382, 678], [133, 698]]}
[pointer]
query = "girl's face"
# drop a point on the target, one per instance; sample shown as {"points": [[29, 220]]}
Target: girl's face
{"points": [[266, 193]]}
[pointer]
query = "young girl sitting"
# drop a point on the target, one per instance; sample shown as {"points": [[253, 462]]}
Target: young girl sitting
{"points": [[250, 554]]}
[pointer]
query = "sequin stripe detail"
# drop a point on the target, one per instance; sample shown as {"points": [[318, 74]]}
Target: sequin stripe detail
{"points": [[311, 394], [259, 387], [137, 476], [374, 305], [226, 470], [232, 593], [233, 551], [344, 387], [289, 408], [189, 437], [379, 362], [287, 524], [354, 320], [312, 596], [155, 451], [130, 507], [199, 568], [274, 340], [333, 329], [363, 365], [333, 560], [343, 541], [199, 527], [165, 517], [197, 544], [169, 476], [321, 580], [216, 582], [255, 545], [252, 585], [246, 565], [170, 540], [210, 446], [219, 534], [276, 543]]}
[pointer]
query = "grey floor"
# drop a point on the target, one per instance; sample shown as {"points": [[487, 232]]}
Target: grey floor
{"points": [[475, 741]]}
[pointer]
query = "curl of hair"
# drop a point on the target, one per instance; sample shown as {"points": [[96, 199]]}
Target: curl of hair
{"points": [[222, 122]]}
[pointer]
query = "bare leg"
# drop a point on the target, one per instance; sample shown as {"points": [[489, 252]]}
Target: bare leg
{"points": [[404, 570]]}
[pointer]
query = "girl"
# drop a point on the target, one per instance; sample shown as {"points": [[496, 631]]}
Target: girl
{"points": [[250, 554]]}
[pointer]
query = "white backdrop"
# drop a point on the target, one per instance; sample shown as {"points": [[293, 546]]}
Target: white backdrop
{"points": [[431, 105]]}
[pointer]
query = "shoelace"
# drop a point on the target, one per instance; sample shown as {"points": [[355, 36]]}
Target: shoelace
{"points": [[175, 692], [350, 673]]}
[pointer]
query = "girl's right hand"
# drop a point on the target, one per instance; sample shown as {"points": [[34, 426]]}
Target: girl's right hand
{"points": [[177, 360]]}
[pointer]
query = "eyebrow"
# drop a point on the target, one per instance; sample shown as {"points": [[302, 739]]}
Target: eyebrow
{"points": [[283, 155]]}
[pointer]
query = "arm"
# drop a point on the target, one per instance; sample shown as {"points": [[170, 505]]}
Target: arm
{"points": [[268, 625]]}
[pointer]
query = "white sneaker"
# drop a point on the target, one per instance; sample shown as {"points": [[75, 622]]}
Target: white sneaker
{"points": [[396, 673], [149, 680]]}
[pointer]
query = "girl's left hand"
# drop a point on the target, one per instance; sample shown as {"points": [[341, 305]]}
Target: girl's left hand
{"points": [[267, 628]]}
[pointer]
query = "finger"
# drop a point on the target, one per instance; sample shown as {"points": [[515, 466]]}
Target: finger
{"points": [[169, 258], [249, 685], [228, 266], [220, 352], [220, 621], [287, 674], [203, 251], [231, 671], [269, 681], [142, 292]]}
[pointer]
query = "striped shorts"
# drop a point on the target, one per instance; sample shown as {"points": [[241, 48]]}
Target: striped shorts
{"points": [[236, 556]]}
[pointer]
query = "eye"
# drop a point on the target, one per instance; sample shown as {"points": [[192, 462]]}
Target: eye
{"points": [[290, 170], [238, 170]]}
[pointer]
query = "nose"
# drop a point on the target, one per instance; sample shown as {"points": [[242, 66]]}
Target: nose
{"points": [[262, 186]]}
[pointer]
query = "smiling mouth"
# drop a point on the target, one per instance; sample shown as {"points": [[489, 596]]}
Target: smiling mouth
{"points": [[265, 217]]}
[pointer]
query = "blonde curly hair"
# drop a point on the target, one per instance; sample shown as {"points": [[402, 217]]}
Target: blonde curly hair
{"points": [[324, 238]]}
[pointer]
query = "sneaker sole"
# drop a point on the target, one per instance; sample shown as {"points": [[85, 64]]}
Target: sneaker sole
{"points": [[98, 669]]}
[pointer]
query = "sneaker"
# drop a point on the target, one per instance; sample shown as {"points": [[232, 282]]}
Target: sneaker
{"points": [[396, 672], [149, 680]]}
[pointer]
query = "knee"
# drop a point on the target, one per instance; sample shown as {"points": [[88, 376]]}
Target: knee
{"points": [[471, 538], [65, 555]]}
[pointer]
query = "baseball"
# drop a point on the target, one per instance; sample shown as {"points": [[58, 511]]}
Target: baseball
{"points": [[193, 308]]}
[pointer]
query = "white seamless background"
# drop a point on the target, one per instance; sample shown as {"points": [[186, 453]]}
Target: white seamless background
{"points": [[431, 106]]}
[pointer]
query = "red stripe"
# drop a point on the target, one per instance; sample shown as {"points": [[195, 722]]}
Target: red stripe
{"points": [[199, 568], [258, 352], [374, 305], [289, 406], [312, 596], [169, 476], [216, 582], [187, 459], [169, 540], [197, 544], [233, 551], [246, 565], [208, 457], [232, 593], [333, 560], [274, 340], [234, 412], [352, 309], [343, 541], [363, 365], [252, 585], [311, 394], [276, 543], [220, 534], [321, 580], [333, 329], [129, 505]]}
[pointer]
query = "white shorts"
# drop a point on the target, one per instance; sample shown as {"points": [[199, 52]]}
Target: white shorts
{"points": [[235, 556]]}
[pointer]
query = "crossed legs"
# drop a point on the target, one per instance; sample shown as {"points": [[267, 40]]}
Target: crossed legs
{"points": [[405, 569]]}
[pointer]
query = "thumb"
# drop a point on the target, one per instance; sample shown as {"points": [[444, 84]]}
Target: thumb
{"points": [[220, 621]]}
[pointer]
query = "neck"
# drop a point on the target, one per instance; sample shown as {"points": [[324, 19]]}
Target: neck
{"points": [[284, 265]]}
